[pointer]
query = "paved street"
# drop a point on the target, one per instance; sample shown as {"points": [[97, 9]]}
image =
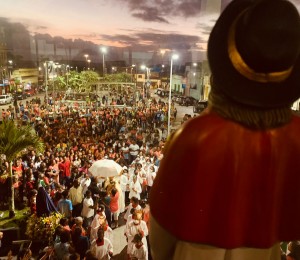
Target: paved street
{"points": [[181, 110]]}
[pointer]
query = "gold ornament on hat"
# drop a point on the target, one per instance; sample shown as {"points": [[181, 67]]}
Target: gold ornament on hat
{"points": [[241, 66]]}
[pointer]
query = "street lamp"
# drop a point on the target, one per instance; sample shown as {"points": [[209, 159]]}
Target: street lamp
{"points": [[89, 61], [103, 50], [46, 80], [143, 67], [10, 64], [146, 83], [67, 70], [86, 58], [132, 66], [173, 57]]}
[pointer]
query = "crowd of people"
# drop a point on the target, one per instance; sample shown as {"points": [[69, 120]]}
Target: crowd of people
{"points": [[92, 208]]}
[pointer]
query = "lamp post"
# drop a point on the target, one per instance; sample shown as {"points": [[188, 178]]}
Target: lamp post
{"points": [[46, 80], [147, 80], [86, 58], [68, 70], [10, 65], [89, 62], [103, 50], [143, 67], [132, 66], [173, 57]]}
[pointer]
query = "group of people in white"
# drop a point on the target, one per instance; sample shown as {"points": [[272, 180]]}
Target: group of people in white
{"points": [[133, 184]]}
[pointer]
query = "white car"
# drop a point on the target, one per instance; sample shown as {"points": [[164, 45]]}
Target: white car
{"points": [[5, 99]]}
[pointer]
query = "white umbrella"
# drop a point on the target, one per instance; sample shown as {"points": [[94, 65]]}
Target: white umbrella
{"points": [[105, 168]]}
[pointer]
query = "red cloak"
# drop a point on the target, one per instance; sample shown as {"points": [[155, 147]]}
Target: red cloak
{"points": [[228, 186]]}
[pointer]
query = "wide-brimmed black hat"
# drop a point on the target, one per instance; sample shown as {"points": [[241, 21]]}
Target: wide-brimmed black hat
{"points": [[253, 53]]}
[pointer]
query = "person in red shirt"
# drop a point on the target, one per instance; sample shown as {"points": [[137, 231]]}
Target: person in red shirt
{"points": [[67, 167], [62, 172], [114, 205]]}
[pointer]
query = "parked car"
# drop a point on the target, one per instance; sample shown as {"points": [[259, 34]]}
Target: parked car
{"points": [[159, 91], [162, 92], [179, 99], [200, 106], [188, 101], [5, 99], [29, 92], [174, 97]]}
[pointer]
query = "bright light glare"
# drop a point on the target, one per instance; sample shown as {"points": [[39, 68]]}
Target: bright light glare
{"points": [[175, 56]]}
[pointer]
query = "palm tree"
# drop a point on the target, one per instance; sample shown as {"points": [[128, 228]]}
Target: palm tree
{"points": [[13, 141]]}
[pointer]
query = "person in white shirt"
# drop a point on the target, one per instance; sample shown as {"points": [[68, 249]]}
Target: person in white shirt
{"points": [[133, 150], [102, 247], [85, 183], [77, 161], [124, 183], [88, 210], [136, 226], [125, 151], [134, 203], [135, 188], [151, 174], [99, 220], [139, 250]]}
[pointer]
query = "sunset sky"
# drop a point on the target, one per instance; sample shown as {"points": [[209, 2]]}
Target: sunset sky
{"points": [[119, 22]]}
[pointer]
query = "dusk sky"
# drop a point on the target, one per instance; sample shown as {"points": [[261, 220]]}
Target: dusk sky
{"points": [[118, 22]]}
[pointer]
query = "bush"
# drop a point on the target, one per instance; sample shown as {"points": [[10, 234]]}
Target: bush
{"points": [[42, 228]]}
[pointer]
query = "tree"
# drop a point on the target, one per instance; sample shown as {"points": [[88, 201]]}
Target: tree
{"points": [[77, 81], [13, 141], [118, 77]]}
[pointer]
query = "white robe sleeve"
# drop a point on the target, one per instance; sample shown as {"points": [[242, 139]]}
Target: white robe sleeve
{"points": [[166, 246]]}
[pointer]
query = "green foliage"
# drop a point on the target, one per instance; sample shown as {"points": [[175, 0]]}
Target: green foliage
{"points": [[14, 139], [77, 81], [20, 218], [117, 77], [84, 80], [42, 228]]}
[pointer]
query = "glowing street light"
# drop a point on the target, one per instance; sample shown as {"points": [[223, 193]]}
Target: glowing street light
{"points": [[146, 84], [103, 50], [173, 57], [86, 58]]}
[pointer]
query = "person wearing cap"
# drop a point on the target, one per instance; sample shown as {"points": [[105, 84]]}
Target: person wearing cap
{"points": [[240, 154], [78, 223]]}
